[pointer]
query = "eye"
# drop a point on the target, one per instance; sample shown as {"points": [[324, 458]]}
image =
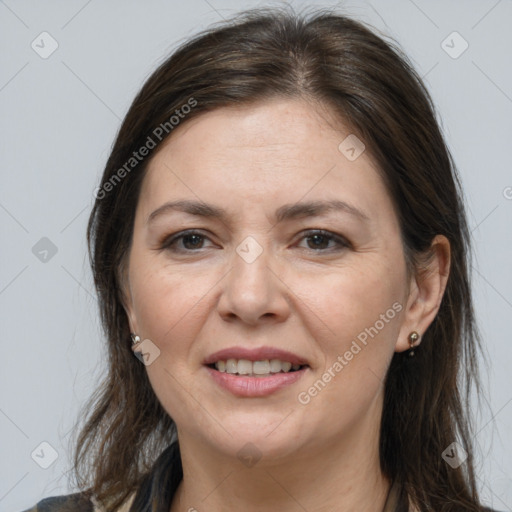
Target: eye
{"points": [[320, 238], [191, 241]]}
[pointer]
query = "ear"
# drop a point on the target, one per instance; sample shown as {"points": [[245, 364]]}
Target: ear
{"points": [[132, 321], [426, 292], [127, 302]]}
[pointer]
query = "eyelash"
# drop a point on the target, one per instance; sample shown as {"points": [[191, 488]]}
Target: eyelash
{"points": [[171, 240]]}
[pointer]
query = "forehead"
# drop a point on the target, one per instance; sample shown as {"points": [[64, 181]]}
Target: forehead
{"points": [[277, 125], [279, 150]]}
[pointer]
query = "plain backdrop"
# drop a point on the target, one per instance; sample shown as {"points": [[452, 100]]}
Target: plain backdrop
{"points": [[60, 114]]}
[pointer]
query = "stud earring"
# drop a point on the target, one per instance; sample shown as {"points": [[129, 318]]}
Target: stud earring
{"points": [[135, 339], [413, 338]]}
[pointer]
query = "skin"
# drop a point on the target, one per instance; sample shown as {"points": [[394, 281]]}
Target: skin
{"points": [[203, 297]]}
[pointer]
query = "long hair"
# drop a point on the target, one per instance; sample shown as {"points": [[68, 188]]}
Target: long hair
{"points": [[369, 84]]}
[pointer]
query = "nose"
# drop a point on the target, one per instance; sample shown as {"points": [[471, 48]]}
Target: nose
{"points": [[253, 291]]}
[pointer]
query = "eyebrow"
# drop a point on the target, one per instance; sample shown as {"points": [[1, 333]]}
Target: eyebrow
{"points": [[283, 213]]}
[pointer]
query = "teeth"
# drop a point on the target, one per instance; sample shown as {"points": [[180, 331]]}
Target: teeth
{"points": [[231, 366], [275, 365], [244, 367], [256, 368], [259, 367]]}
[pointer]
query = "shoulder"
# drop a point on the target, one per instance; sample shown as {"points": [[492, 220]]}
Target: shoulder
{"points": [[77, 502]]}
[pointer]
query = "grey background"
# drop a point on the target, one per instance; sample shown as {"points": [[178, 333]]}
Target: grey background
{"points": [[59, 118]]}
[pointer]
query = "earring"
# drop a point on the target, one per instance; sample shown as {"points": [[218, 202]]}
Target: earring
{"points": [[413, 338], [135, 339]]}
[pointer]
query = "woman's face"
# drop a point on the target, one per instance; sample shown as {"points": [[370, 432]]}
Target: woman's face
{"points": [[253, 279]]}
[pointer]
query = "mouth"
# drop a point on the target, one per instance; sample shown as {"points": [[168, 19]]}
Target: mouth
{"points": [[255, 372], [258, 369], [244, 378], [254, 361]]}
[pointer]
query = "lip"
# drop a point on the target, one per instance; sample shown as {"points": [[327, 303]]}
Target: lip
{"points": [[242, 386], [254, 354]]}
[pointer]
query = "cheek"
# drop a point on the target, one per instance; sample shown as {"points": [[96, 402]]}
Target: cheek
{"points": [[362, 311], [171, 308], [171, 303], [165, 302], [357, 314]]}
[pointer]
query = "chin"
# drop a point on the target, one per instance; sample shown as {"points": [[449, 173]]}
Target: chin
{"points": [[268, 437]]}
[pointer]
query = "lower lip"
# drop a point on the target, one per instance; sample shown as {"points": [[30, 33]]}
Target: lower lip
{"points": [[243, 386]]}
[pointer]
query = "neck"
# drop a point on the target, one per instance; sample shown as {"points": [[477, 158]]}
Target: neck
{"points": [[344, 476]]}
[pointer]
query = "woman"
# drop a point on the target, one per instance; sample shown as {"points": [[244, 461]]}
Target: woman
{"points": [[279, 239]]}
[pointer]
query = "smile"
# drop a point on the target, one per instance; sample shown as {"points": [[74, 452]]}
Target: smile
{"points": [[255, 368], [259, 381]]}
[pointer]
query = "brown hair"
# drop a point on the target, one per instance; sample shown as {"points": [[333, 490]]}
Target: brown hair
{"points": [[370, 85]]}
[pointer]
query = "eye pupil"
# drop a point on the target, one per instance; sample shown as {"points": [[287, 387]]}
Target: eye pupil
{"points": [[317, 238], [187, 238]]}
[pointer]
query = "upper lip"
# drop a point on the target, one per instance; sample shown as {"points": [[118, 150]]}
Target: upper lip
{"points": [[254, 354]]}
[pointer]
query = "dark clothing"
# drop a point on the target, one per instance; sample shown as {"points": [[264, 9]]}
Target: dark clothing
{"points": [[77, 502], [159, 486]]}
